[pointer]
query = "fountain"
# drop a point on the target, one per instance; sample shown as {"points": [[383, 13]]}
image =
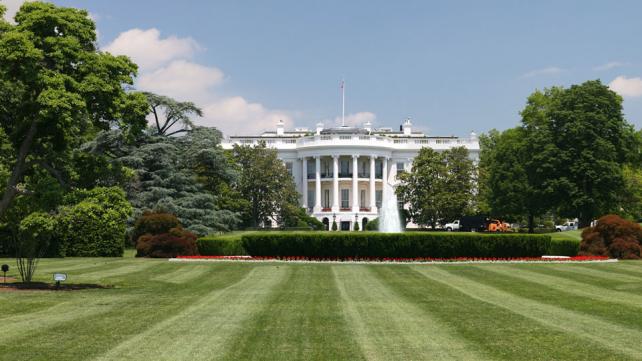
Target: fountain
{"points": [[389, 216]]}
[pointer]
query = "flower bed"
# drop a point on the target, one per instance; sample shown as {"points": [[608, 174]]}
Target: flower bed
{"points": [[302, 259]]}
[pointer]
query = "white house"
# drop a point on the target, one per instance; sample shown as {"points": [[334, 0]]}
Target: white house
{"points": [[342, 173]]}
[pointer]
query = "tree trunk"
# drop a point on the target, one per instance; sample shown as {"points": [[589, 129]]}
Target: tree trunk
{"points": [[18, 171], [584, 220], [531, 223]]}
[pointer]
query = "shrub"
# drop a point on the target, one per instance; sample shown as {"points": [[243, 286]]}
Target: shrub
{"points": [[176, 242], [564, 247], [334, 225], [35, 232], [613, 236], [373, 225], [356, 226], [153, 223], [395, 245], [95, 226], [226, 245]]}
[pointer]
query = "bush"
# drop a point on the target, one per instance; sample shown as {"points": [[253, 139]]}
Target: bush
{"points": [[35, 232], [153, 223], [226, 245], [613, 236], [95, 226], [373, 225], [356, 226], [564, 247], [334, 225], [176, 242], [395, 245]]}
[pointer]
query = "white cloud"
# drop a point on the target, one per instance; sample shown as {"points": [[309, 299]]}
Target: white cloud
{"points": [[149, 51], [356, 119], [610, 65], [12, 8], [551, 70], [166, 68], [627, 87]]}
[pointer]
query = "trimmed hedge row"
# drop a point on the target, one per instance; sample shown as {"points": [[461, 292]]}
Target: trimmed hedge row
{"points": [[227, 245], [394, 245], [564, 247]]}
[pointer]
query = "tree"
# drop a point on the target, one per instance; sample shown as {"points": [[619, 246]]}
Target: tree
{"points": [[168, 112], [439, 187], [264, 183], [631, 198], [36, 231], [55, 88], [591, 141]]}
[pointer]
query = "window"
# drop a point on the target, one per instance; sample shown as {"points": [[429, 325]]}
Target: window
{"points": [[378, 169], [288, 166], [326, 198], [326, 169], [311, 169], [345, 168], [362, 199], [401, 167], [364, 170], [378, 198], [345, 198], [311, 194]]}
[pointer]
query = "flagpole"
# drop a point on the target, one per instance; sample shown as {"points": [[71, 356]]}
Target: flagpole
{"points": [[343, 103]]}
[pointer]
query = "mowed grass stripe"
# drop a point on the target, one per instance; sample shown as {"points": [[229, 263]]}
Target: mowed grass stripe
{"points": [[599, 272], [389, 327], [619, 339], [302, 320], [184, 274], [607, 284], [495, 331], [211, 322], [566, 285]]}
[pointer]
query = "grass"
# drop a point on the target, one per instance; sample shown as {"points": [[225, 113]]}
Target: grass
{"points": [[239, 311]]}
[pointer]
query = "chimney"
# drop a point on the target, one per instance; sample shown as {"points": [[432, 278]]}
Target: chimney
{"points": [[367, 126], [280, 128], [319, 128], [407, 127]]}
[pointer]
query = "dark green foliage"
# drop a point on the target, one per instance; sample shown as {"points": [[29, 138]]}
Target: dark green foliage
{"points": [[293, 216], [153, 224], [613, 236], [564, 247], [334, 225], [395, 245], [176, 242], [356, 226], [372, 225], [36, 231], [92, 224], [225, 245]]}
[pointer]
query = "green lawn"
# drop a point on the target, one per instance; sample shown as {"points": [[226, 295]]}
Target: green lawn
{"points": [[273, 311]]}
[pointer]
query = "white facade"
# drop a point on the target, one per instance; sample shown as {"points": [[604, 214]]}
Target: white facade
{"points": [[342, 173]]}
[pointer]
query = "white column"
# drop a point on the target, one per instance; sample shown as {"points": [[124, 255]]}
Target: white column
{"points": [[317, 193], [304, 187], [355, 183], [384, 178], [335, 183], [373, 195]]}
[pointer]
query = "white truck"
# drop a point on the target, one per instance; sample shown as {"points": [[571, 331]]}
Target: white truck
{"points": [[567, 226], [453, 226]]}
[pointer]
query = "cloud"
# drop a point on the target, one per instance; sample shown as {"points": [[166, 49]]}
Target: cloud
{"points": [[551, 70], [149, 51], [12, 8], [610, 65], [355, 119], [166, 68], [627, 87]]}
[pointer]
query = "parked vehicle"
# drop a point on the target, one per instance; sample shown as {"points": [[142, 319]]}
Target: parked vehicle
{"points": [[454, 226], [473, 223], [567, 226], [495, 225]]}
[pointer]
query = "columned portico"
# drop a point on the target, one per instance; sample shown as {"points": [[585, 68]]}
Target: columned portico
{"points": [[373, 194], [317, 193], [384, 186], [304, 187], [335, 183], [355, 183]]}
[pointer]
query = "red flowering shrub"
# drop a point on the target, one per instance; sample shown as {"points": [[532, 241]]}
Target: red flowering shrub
{"points": [[153, 223], [176, 242], [613, 236]]}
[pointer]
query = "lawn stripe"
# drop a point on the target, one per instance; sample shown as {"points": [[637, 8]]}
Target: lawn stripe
{"points": [[210, 322], [115, 271], [301, 321], [387, 326], [619, 339], [568, 286], [183, 274], [603, 274]]}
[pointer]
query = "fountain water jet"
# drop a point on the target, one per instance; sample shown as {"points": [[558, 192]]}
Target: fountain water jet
{"points": [[389, 221]]}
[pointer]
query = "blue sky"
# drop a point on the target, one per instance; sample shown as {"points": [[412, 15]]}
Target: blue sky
{"points": [[453, 66]]}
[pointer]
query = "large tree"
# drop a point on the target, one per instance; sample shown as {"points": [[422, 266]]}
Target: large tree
{"points": [[264, 183], [170, 116], [56, 88], [439, 187]]}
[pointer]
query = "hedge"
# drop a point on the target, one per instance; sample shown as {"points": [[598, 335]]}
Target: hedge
{"points": [[227, 245], [564, 247], [394, 245]]}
